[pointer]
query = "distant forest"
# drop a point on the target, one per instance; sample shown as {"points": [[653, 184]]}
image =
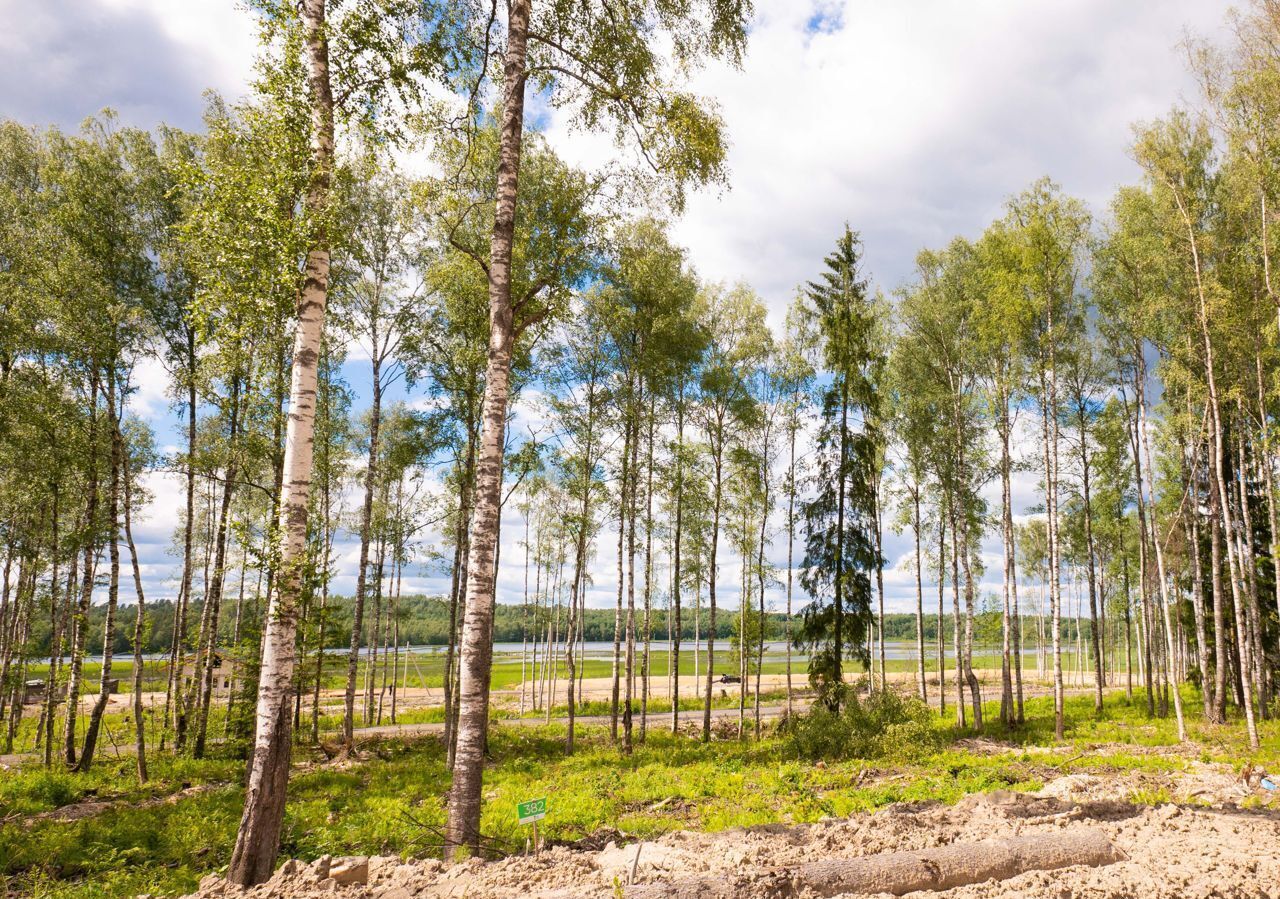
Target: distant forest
{"points": [[424, 621]]}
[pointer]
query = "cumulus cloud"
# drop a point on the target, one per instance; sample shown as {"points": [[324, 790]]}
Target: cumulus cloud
{"points": [[911, 121], [150, 60]]}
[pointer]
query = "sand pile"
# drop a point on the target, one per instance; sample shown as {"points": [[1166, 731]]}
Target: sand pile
{"points": [[1179, 851]]}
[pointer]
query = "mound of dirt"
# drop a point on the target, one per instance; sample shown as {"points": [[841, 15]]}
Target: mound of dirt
{"points": [[1168, 851]]}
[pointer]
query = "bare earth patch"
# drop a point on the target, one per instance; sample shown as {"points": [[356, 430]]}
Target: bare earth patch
{"points": [[1204, 844]]}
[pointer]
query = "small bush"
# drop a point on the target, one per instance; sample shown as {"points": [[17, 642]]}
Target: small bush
{"points": [[883, 725], [37, 790]]}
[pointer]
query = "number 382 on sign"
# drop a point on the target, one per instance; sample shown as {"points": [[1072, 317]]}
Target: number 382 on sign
{"points": [[533, 810]]}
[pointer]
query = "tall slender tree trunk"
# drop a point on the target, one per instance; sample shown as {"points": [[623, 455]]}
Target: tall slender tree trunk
{"points": [[258, 838], [55, 629], [213, 598], [615, 697], [1191, 528], [177, 650], [879, 537], [366, 532], [942, 633], [458, 586], [106, 682], [676, 623], [760, 576], [371, 649], [80, 621], [1048, 390], [630, 512], [524, 620], [1159, 551], [139, 629], [921, 682], [1128, 631], [1095, 637], [842, 487], [957, 621], [579, 569], [1008, 713], [648, 578], [970, 589], [1234, 566], [718, 450], [1269, 479], [791, 540], [477, 648]]}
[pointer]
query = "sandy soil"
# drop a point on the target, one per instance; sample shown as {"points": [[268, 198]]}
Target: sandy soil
{"points": [[601, 688], [1205, 844]]}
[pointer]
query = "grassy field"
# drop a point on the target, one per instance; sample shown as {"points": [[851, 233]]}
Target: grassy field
{"points": [[391, 802], [426, 669]]}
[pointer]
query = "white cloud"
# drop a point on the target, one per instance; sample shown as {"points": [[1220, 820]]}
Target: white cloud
{"points": [[911, 121], [220, 37]]}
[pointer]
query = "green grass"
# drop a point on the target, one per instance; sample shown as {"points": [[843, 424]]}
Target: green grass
{"points": [[392, 803]]}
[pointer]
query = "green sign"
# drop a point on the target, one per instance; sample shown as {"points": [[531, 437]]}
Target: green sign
{"points": [[533, 810]]}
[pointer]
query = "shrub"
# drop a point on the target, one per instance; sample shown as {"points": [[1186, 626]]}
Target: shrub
{"points": [[36, 790], [884, 724]]}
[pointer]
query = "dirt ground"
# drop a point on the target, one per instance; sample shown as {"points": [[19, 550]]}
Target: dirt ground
{"points": [[1218, 838]]}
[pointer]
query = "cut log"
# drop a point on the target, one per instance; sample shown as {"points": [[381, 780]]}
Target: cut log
{"points": [[897, 873]]}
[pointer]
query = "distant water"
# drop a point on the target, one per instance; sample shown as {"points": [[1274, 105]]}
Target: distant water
{"points": [[603, 649]]}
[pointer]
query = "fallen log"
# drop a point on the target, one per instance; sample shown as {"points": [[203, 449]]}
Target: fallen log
{"points": [[897, 873]]}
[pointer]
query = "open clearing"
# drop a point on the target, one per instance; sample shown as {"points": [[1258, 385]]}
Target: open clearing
{"points": [[1201, 844], [731, 817]]}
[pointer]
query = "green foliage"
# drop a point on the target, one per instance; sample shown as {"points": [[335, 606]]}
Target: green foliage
{"points": [[840, 543], [883, 725]]}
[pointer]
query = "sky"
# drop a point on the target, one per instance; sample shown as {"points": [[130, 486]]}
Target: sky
{"points": [[913, 121]]}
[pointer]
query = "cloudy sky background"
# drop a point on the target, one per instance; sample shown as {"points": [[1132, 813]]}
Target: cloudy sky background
{"points": [[914, 121]]}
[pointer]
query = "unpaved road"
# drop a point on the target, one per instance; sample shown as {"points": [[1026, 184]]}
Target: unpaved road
{"points": [[597, 689]]}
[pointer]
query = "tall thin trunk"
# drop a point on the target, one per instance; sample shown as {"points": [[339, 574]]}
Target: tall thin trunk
{"points": [[177, 650], [371, 650], [258, 838], [579, 564], [718, 451], [80, 621], [922, 684], [1234, 566], [1128, 631], [1008, 713], [1159, 551], [371, 646], [1249, 564], [1048, 392], [841, 487], [970, 589], [630, 512], [458, 586], [1191, 529], [616, 696], [676, 624], [942, 634], [55, 628], [106, 682], [213, 598], [477, 649], [957, 620], [1095, 637], [760, 574], [791, 540], [366, 531], [139, 629], [648, 579], [879, 536]]}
